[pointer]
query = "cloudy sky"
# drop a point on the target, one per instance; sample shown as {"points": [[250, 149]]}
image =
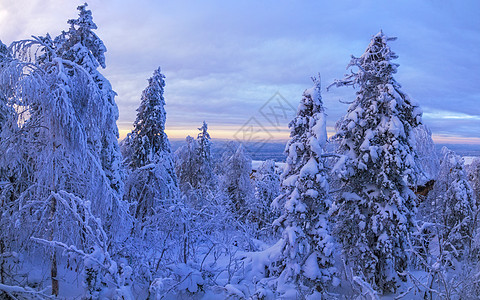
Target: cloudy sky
{"points": [[243, 66]]}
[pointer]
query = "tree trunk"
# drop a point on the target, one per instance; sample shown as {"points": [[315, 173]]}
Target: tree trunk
{"points": [[53, 274], [185, 243], [2, 271], [53, 268], [53, 209]]}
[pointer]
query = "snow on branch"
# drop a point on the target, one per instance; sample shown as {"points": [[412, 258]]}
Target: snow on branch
{"points": [[32, 294]]}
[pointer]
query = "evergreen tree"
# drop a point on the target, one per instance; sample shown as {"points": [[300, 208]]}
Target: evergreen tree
{"points": [[194, 168], [186, 164], [153, 176], [376, 210], [267, 189], [428, 160], [306, 246], [148, 137], [235, 183], [205, 170], [5, 109], [473, 171], [453, 205]]}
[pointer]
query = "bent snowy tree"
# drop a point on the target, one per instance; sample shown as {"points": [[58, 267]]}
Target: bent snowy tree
{"points": [[376, 209], [60, 142]]}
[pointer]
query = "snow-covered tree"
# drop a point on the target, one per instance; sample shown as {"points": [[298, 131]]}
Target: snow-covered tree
{"points": [[428, 160], [148, 137], [453, 204], [267, 188], [205, 169], [5, 109], [83, 47], [59, 138], [234, 179], [306, 246], [473, 171], [150, 157], [375, 211], [186, 163], [194, 168]]}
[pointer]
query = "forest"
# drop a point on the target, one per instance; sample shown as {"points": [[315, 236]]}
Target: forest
{"points": [[86, 216]]}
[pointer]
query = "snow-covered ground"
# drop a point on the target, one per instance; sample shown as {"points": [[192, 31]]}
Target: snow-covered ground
{"points": [[279, 166], [468, 159]]}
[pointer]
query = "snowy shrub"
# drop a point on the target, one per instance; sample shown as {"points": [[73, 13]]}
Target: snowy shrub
{"points": [[444, 244], [102, 276]]}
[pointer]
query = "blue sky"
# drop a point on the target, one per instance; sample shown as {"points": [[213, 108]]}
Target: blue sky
{"points": [[224, 61]]}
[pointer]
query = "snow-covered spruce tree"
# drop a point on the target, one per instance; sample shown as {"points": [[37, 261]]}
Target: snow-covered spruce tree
{"points": [[186, 164], [194, 168], [234, 180], [453, 206], [60, 110], [375, 211], [473, 171], [306, 246], [267, 188], [206, 178], [153, 178]]}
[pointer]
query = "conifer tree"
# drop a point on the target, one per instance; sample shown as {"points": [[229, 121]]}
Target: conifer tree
{"points": [[194, 168], [186, 164], [454, 207], [375, 212], [4, 108], [153, 176], [267, 189], [473, 172], [428, 160], [306, 246], [206, 178], [235, 183]]}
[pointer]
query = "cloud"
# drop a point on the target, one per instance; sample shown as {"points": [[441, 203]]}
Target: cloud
{"points": [[223, 60]]}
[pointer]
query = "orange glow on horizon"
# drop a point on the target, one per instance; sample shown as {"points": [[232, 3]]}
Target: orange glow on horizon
{"points": [[229, 132], [446, 139]]}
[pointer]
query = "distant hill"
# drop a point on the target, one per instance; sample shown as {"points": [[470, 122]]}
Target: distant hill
{"points": [[461, 149], [263, 151], [274, 150]]}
